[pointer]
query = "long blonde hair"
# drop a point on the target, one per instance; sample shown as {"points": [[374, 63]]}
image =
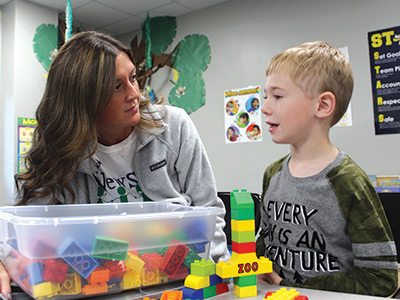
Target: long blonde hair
{"points": [[80, 83]]}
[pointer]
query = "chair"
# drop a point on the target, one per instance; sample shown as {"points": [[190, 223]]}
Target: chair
{"points": [[226, 198], [391, 204]]}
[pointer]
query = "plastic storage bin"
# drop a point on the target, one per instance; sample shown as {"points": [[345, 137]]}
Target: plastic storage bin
{"points": [[76, 251]]}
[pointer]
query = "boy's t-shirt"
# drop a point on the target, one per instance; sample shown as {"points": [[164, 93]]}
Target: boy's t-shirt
{"points": [[325, 224]]}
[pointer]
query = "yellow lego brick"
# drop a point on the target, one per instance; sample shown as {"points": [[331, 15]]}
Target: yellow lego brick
{"points": [[130, 280], [197, 282], [243, 292], [133, 262], [72, 285], [243, 264], [150, 277], [243, 225], [45, 290], [284, 294]]}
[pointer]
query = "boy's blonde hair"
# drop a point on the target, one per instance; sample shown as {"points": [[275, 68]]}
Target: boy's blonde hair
{"points": [[317, 67]]}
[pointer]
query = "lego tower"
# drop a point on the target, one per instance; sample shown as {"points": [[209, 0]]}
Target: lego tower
{"points": [[244, 264]]}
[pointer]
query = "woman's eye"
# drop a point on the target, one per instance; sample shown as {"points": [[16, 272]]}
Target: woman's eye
{"points": [[117, 87], [277, 97], [133, 78]]}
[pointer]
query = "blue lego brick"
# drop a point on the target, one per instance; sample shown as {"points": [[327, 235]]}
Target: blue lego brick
{"points": [[35, 272], [78, 258], [199, 247], [189, 293], [215, 279]]}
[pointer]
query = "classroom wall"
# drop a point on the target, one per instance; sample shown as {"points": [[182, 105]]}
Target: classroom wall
{"points": [[22, 80], [244, 36]]}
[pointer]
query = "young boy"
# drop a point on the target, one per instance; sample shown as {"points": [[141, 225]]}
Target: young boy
{"points": [[323, 225]]}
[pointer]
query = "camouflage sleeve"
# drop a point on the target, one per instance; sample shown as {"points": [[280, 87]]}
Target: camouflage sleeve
{"points": [[375, 269]]}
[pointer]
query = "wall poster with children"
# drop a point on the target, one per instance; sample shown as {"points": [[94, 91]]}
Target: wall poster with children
{"points": [[242, 115], [384, 53]]}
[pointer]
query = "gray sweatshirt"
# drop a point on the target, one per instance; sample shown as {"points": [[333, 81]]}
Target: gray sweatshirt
{"points": [[171, 164]]}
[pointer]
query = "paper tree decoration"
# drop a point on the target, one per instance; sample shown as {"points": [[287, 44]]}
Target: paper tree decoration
{"points": [[188, 60]]}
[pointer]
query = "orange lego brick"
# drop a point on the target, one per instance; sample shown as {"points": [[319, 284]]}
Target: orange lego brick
{"points": [[172, 295], [99, 275]]}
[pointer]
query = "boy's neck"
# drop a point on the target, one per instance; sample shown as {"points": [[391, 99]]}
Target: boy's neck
{"points": [[308, 160]]}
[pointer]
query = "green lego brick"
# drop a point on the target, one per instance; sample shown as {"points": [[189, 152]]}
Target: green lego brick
{"points": [[243, 236], [202, 268], [242, 214], [191, 257], [210, 291], [245, 280], [241, 200], [109, 248]]}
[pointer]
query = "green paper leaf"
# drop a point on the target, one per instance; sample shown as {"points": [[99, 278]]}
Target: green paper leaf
{"points": [[193, 52], [189, 92], [162, 33], [45, 43]]}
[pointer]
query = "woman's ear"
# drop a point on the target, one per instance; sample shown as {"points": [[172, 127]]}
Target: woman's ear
{"points": [[326, 105]]}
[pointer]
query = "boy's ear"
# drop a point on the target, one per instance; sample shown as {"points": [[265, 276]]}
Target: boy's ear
{"points": [[326, 105]]}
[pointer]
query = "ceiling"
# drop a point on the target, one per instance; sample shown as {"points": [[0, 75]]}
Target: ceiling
{"points": [[121, 16]]}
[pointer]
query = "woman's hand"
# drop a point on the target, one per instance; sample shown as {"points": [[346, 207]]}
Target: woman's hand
{"points": [[269, 278], [5, 287]]}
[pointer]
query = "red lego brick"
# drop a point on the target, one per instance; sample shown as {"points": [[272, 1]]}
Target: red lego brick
{"points": [[54, 271], [222, 288], [243, 247], [117, 268], [173, 259], [182, 273], [153, 261]]}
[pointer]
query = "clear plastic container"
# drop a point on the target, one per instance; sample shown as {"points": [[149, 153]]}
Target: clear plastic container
{"points": [[76, 251]]}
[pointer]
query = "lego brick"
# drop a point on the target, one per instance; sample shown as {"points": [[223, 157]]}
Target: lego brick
{"points": [[202, 267], [244, 292], [45, 290], [149, 277], [35, 272], [189, 293], [241, 200], [99, 275], [182, 273], [210, 291], [215, 279], [93, 289], [191, 257], [197, 282], [109, 248], [152, 261], [172, 295], [242, 214], [117, 268], [283, 293], [71, 285], [173, 259], [245, 280], [130, 280], [243, 236], [199, 247], [133, 262], [222, 288], [243, 247], [243, 265], [78, 258], [55, 271], [243, 225]]}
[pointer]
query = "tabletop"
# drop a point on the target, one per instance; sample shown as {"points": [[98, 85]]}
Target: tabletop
{"points": [[156, 291]]}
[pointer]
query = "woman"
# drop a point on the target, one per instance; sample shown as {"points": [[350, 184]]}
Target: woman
{"points": [[97, 140]]}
